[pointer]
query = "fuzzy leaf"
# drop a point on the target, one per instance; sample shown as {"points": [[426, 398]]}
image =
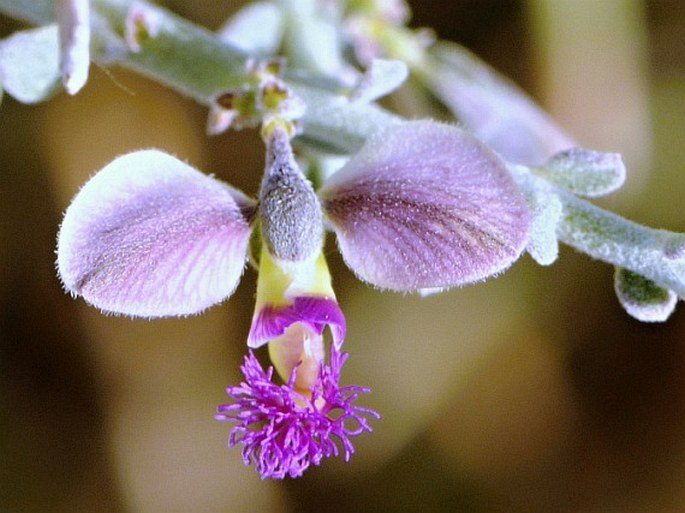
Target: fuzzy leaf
{"points": [[585, 172], [642, 298], [29, 64], [426, 205], [543, 245], [150, 236]]}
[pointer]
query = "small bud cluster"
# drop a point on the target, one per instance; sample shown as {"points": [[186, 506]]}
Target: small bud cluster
{"points": [[264, 98]]}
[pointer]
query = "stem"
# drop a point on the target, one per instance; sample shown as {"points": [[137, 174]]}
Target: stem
{"points": [[658, 255]]}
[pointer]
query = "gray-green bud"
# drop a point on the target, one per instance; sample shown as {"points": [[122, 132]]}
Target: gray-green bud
{"points": [[289, 210]]}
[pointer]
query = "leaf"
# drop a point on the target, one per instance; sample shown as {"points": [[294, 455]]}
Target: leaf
{"points": [[585, 172], [642, 298], [29, 64]]}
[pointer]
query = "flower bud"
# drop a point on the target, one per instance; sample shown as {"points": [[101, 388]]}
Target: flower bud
{"points": [[289, 210]]}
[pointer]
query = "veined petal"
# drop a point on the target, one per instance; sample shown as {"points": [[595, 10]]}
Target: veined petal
{"points": [[426, 205], [150, 236]]}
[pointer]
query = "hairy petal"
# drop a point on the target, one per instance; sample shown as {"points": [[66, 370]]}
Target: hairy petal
{"points": [[150, 236], [426, 205]]}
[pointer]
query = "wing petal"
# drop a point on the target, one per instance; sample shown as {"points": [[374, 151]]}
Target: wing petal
{"points": [[150, 236], [426, 205]]}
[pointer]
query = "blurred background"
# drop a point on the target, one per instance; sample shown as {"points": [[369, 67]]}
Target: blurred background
{"points": [[532, 392]]}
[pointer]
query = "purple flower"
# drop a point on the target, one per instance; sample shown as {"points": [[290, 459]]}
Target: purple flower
{"points": [[284, 431], [423, 205]]}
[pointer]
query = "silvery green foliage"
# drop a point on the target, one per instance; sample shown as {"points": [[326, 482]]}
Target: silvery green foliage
{"points": [[585, 172], [580, 171], [543, 245], [29, 64], [642, 298], [656, 255]]}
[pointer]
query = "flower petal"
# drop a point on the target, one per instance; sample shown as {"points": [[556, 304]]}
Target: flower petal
{"points": [[426, 205], [74, 33], [495, 109], [150, 236], [271, 322]]}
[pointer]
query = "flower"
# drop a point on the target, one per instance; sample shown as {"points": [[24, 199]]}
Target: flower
{"points": [[423, 205]]}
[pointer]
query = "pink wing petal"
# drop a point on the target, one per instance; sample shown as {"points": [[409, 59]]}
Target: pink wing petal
{"points": [[150, 236], [426, 205]]}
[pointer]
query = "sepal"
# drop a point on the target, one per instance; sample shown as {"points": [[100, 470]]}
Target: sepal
{"points": [[289, 210]]}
